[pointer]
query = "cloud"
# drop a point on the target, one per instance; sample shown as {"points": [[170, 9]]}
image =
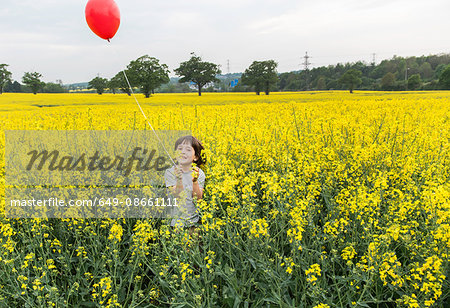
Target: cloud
{"points": [[52, 35]]}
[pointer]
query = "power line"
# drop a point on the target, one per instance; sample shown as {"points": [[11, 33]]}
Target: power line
{"points": [[306, 64]]}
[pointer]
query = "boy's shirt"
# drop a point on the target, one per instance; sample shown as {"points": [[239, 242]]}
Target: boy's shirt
{"points": [[187, 209]]}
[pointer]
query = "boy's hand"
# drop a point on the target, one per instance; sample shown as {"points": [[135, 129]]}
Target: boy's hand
{"points": [[195, 173], [178, 172]]}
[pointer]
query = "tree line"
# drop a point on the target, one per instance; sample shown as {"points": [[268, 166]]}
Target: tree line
{"points": [[147, 76], [396, 74], [32, 83]]}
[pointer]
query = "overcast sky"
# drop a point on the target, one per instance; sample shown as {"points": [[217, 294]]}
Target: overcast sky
{"points": [[53, 38]]}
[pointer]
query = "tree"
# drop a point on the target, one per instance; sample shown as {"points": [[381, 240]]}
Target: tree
{"points": [[112, 86], [414, 82], [439, 69], [261, 75], [147, 73], [426, 71], [321, 83], [13, 87], [51, 87], [198, 71], [5, 76], [351, 79], [99, 84], [444, 78], [33, 81], [119, 81], [388, 81]]}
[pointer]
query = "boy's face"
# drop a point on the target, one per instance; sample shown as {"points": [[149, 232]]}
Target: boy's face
{"points": [[187, 153]]}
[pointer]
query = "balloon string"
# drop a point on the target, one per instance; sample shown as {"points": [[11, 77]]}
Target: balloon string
{"points": [[143, 113]]}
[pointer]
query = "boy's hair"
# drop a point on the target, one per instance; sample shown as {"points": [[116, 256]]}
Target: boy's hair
{"points": [[198, 147]]}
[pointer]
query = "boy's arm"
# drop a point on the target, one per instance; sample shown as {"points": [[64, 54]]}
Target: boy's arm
{"points": [[174, 184], [177, 188], [197, 192], [197, 186]]}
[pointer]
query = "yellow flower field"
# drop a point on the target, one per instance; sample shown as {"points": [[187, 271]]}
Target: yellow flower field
{"points": [[312, 199]]}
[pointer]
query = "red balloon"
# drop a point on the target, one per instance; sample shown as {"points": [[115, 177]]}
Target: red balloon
{"points": [[103, 17]]}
